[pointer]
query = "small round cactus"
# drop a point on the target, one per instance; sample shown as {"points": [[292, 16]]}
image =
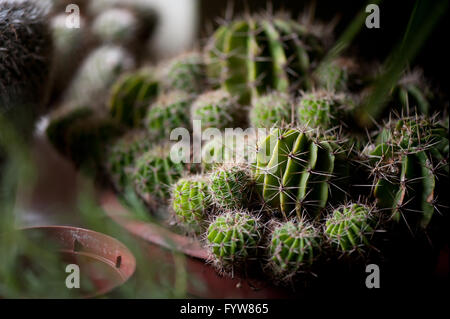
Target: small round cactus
{"points": [[350, 228], [154, 174], [169, 111], [97, 74], [184, 73], [216, 109], [293, 248], [191, 202], [271, 110], [233, 238], [231, 186], [121, 157], [131, 95], [322, 109]]}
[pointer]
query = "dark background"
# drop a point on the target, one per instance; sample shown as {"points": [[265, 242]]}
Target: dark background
{"points": [[372, 44]]}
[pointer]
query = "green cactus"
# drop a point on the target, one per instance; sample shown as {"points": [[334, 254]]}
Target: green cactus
{"points": [[121, 156], [25, 62], [185, 73], [81, 133], [97, 74], [293, 248], [169, 111], [270, 110], [237, 148], [248, 55], [339, 75], [322, 109], [409, 156], [191, 202], [350, 228], [297, 169], [154, 174], [216, 109], [233, 239], [131, 96], [231, 186]]}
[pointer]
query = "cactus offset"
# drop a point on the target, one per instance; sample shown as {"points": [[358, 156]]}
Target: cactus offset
{"points": [[116, 26], [233, 239], [169, 111], [270, 110], [231, 186], [131, 95], [216, 109], [121, 158], [407, 160], [322, 109], [297, 169], [191, 202], [154, 174], [293, 248], [250, 54], [184, 73], [350, 228]]}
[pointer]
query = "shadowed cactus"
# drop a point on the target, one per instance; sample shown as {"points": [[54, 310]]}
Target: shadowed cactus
{"points": [[121, 158], [185, 73], [191, 203], [293, 248], [231, 186], [216, 109], [297, 169], [97, 74], [131, 96], [272, 109], [169, 111], [80, 134], [248, 55], [410, 156], [233, 239], [25, 61], [350, 228], [154, 174], [322, 109]]}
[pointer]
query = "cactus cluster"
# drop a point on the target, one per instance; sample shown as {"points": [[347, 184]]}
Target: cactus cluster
{"points": [[298, 182]]}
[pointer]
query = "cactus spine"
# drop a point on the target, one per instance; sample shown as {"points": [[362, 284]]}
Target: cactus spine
{"points": [[272, 109]]}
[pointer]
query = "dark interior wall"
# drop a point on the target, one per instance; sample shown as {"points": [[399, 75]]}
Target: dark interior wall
{"points": [[373, 44]]}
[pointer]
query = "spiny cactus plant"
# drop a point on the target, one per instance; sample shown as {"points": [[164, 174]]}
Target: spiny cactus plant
{"points": [[231, 186], [169, 111], [191, 202], [238, 147], [350, 227], [80, 133], [323, 109], [247, 55], [407, 161], [184, 73], [97, 74], [272, 109], [342, 74], [155, 172], [233, 239], [116, 26], [216, 109], [25, 61], [131, 95], [121, 156], [297, 169], [293, 248]]}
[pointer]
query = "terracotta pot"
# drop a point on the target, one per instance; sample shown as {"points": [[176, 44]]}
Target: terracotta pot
{"points": [[103, 260]]}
